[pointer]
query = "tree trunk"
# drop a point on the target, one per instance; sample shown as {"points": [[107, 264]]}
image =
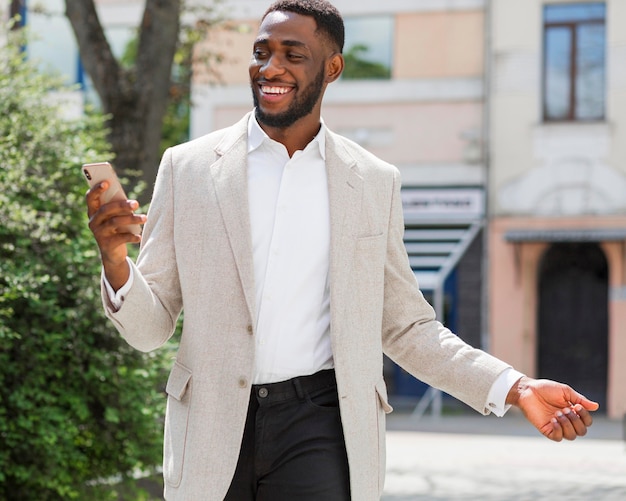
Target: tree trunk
{"points": [[15, 9], [136, 99]]}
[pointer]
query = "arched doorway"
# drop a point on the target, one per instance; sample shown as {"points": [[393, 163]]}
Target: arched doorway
{"points": [[573, 318]]}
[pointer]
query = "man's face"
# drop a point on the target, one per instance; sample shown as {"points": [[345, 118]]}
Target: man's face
{"points": [[287, 70]]}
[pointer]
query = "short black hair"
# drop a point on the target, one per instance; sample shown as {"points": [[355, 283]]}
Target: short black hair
{"points": [[326, 15]]}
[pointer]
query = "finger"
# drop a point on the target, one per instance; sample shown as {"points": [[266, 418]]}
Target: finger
{"points": [[93, 197], [553, 430], [580, 428], [566, 426], [115, 225], [583, 414], [105, 215], [570, 423], [128, 224], [122, 238]]}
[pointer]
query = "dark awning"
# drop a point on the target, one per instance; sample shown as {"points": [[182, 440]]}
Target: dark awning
{"points": [[567, 235]]}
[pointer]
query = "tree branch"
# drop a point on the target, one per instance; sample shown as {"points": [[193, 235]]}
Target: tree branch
{"points": [[158, 40], [96, 54]]}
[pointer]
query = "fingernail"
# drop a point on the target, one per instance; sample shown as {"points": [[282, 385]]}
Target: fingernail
{"points": [[559, 414], [566, 411]]}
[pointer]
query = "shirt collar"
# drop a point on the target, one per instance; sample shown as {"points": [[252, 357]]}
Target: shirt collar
{"points": [[257, 136]]}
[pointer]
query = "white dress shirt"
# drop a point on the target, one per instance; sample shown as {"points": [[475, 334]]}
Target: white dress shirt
{"points": [[290, 225]]}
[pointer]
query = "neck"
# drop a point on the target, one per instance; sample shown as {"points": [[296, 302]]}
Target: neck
{"points": [[293, 140], [296, 136]]}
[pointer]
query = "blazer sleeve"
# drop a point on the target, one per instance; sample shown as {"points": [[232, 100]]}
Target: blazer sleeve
{"points": [[148, 316], [417, 341]]}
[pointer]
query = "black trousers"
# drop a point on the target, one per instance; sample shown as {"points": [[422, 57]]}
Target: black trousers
{"points": [[293, 446]]}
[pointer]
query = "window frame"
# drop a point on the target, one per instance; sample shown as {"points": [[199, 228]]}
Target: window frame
{"points": [[388, 63], [572, 27]]}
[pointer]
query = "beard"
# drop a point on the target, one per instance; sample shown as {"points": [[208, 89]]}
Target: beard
{"points": [[299, 108]]}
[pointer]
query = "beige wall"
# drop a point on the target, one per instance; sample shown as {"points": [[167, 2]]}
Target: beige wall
{"points": [[616, 99], [522, 146], [617, 330], [426, 45], [418, 132], [513, 275], [402, 133], [232, 43], [439, 44], [430, 113]]}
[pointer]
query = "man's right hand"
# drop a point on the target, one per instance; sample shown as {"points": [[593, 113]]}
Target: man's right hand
{"points": [[106, 222]]}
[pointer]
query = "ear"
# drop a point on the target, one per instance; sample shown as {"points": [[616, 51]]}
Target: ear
{"points": [[334, 67]]}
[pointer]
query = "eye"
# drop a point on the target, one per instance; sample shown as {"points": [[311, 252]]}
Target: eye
{"points": [[295, 57], [259, 54]]}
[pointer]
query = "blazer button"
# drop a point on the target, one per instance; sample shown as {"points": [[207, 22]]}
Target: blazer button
{"points": [[243, 382], [249, 328]]}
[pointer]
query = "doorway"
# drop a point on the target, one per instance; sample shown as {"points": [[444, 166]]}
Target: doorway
{"points": [[573, 318]]}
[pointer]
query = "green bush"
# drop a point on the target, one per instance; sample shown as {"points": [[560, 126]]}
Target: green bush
{"points": [[80, 411]]}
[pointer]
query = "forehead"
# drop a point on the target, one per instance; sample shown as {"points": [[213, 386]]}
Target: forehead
{"points": [[288, 28]]}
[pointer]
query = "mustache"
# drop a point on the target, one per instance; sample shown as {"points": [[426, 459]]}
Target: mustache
{"points": [[270, 81]]}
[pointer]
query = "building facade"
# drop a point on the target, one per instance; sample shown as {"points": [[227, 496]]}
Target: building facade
{"points": [[557, 192], [506, 119]]}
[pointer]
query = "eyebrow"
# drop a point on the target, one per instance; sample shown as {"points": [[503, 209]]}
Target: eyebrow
{"points": [[288, 43]]}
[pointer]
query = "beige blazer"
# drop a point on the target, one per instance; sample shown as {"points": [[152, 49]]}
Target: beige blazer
{"points": [[196, 254]]}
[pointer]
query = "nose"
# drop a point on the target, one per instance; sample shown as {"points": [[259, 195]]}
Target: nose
{"points": [[272, 67]]}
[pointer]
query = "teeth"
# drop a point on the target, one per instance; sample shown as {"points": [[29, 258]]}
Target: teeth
{"points": [[274, 90]]}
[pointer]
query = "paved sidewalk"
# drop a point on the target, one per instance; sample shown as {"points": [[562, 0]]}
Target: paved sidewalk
{"points": [[501, 459]]}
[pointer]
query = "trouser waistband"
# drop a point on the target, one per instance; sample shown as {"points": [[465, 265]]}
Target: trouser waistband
{"points": [[296, 387]]}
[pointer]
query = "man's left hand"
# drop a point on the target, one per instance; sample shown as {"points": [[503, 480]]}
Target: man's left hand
{"points": [[555, 409]]}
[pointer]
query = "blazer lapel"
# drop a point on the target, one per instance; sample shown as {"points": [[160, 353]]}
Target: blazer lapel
{"points": [[230, 180], [345, 190]]}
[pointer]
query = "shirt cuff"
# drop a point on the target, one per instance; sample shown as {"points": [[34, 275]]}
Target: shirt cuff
{"points": [[496, 400], [116, 299]]}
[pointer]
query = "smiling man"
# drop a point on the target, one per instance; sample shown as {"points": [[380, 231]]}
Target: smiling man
{"points": [[282, 242], [291, 66]]}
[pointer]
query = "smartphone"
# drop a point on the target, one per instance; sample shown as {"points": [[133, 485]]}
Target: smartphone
{"points": [[103, 171]]}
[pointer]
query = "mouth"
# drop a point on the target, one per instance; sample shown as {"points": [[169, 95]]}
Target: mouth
{"points": [[273, 92]]}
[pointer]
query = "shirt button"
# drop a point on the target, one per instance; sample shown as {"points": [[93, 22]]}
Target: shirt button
{"points": [[242, 382], [263, 392]]}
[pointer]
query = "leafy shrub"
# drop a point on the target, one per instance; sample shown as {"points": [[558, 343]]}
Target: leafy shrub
{"points": [[80, 411]]}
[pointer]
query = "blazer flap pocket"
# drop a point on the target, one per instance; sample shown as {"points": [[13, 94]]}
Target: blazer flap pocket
{"points": [[178, 381], [381, 391]]}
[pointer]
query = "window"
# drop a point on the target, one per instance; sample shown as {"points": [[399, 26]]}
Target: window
{"points": [[574, 61], [368, 47]]}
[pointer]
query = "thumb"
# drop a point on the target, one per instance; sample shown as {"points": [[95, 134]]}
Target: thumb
{"points": [[577, 398], [590, 405]]}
